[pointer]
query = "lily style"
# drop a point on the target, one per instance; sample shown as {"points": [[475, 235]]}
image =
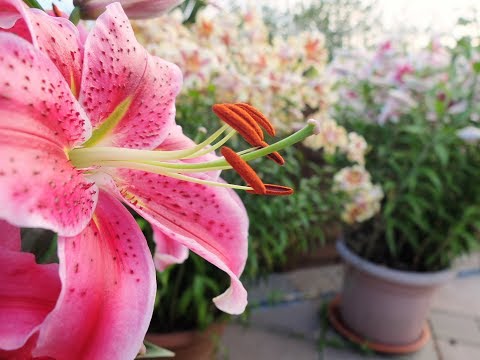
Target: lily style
{"points": [[87, 125]]}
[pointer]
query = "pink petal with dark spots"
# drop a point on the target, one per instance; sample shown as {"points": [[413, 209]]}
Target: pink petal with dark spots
{"points": [[210, 221], [40, 188], [108, 290], [39, 121], [117, 69], [168, 251], [28, 293], [32, 87], [60, 40], [56, 37]]}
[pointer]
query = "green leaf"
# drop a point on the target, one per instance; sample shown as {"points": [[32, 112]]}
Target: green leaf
{"points": [[476, 67], [75, 15], [442, 154], [33, 4], [154, 351]]}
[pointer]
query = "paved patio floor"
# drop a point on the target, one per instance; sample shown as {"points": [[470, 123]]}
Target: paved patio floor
{"points": [[287, 320]]}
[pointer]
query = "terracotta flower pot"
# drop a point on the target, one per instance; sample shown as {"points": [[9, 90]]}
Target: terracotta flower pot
{"points": [[383, 305], [187, 345]]}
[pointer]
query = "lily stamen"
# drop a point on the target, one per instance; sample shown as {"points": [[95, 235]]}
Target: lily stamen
{"points": [[170, 163], [247, 117], [259, 117], [244, 170], [275, 156], [275, 190], [238, 123]]}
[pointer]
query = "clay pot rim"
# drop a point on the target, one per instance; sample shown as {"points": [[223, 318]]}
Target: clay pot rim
{"points": [[337, 322], [410, 278]]}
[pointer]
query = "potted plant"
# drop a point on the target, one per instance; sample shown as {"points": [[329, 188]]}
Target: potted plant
{"points": [[426, 160]]}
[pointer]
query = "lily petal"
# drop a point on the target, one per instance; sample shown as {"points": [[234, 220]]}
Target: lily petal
{"points": [[39, 119], [12, 14], [128, 94], [108, 290], [168, 251], [57, 37], [210, 221], [9, 236], [28, 293]]}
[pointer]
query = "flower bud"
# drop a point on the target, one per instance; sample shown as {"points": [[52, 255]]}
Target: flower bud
{"points": [[135, 9]]}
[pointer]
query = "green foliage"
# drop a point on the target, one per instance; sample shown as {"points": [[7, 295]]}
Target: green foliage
{"points": [[431, 211], [286, 226]]}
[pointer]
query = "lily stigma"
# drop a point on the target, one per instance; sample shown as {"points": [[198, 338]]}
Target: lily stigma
{"points": [[239, 118]]}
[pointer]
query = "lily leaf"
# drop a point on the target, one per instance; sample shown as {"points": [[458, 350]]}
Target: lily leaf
{"points": [[154, 351]]}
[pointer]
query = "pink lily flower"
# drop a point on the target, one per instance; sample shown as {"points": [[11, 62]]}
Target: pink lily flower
{"points": [[86, 125], [135, 9], [105, 97], [97, 303]]}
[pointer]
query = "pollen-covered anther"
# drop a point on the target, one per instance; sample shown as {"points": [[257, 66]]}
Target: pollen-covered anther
{"points": [[246, 117], [237, 122], [258, 116], [275, 190], [244, 170], [275, 156]]}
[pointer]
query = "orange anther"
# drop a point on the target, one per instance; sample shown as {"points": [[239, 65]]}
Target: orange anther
{"points": [[238, 123], [244, 170], [275, 156], [276, 190], [246, 116], [259, 117]]}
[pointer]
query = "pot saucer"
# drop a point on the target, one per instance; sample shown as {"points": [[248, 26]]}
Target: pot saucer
{"points": [[336, 320]]}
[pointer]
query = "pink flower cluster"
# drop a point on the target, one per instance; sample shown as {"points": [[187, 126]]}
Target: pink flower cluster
{"points": [[381, 85], [363, 197], [233, 52], [332, 137]]}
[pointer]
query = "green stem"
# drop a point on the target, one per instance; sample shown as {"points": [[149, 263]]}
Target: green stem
{"points": [[34, 4]]}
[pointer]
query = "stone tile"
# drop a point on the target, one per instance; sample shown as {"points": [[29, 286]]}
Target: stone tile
{"points": [[316, 281], [467, 262], [426, 353], [451, 350], [273, 288], [300, 318], [461, 296], [449, 326], [241, 343]]}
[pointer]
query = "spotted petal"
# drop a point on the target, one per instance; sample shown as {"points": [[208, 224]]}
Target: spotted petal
{"points": [[108, 290], [210, 221], [28, 293], [168, 251], [39, 120], [57, 37], [128, 94]]}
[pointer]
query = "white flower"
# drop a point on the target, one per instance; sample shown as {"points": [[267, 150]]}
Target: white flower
{"points": [[469, 134]]}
